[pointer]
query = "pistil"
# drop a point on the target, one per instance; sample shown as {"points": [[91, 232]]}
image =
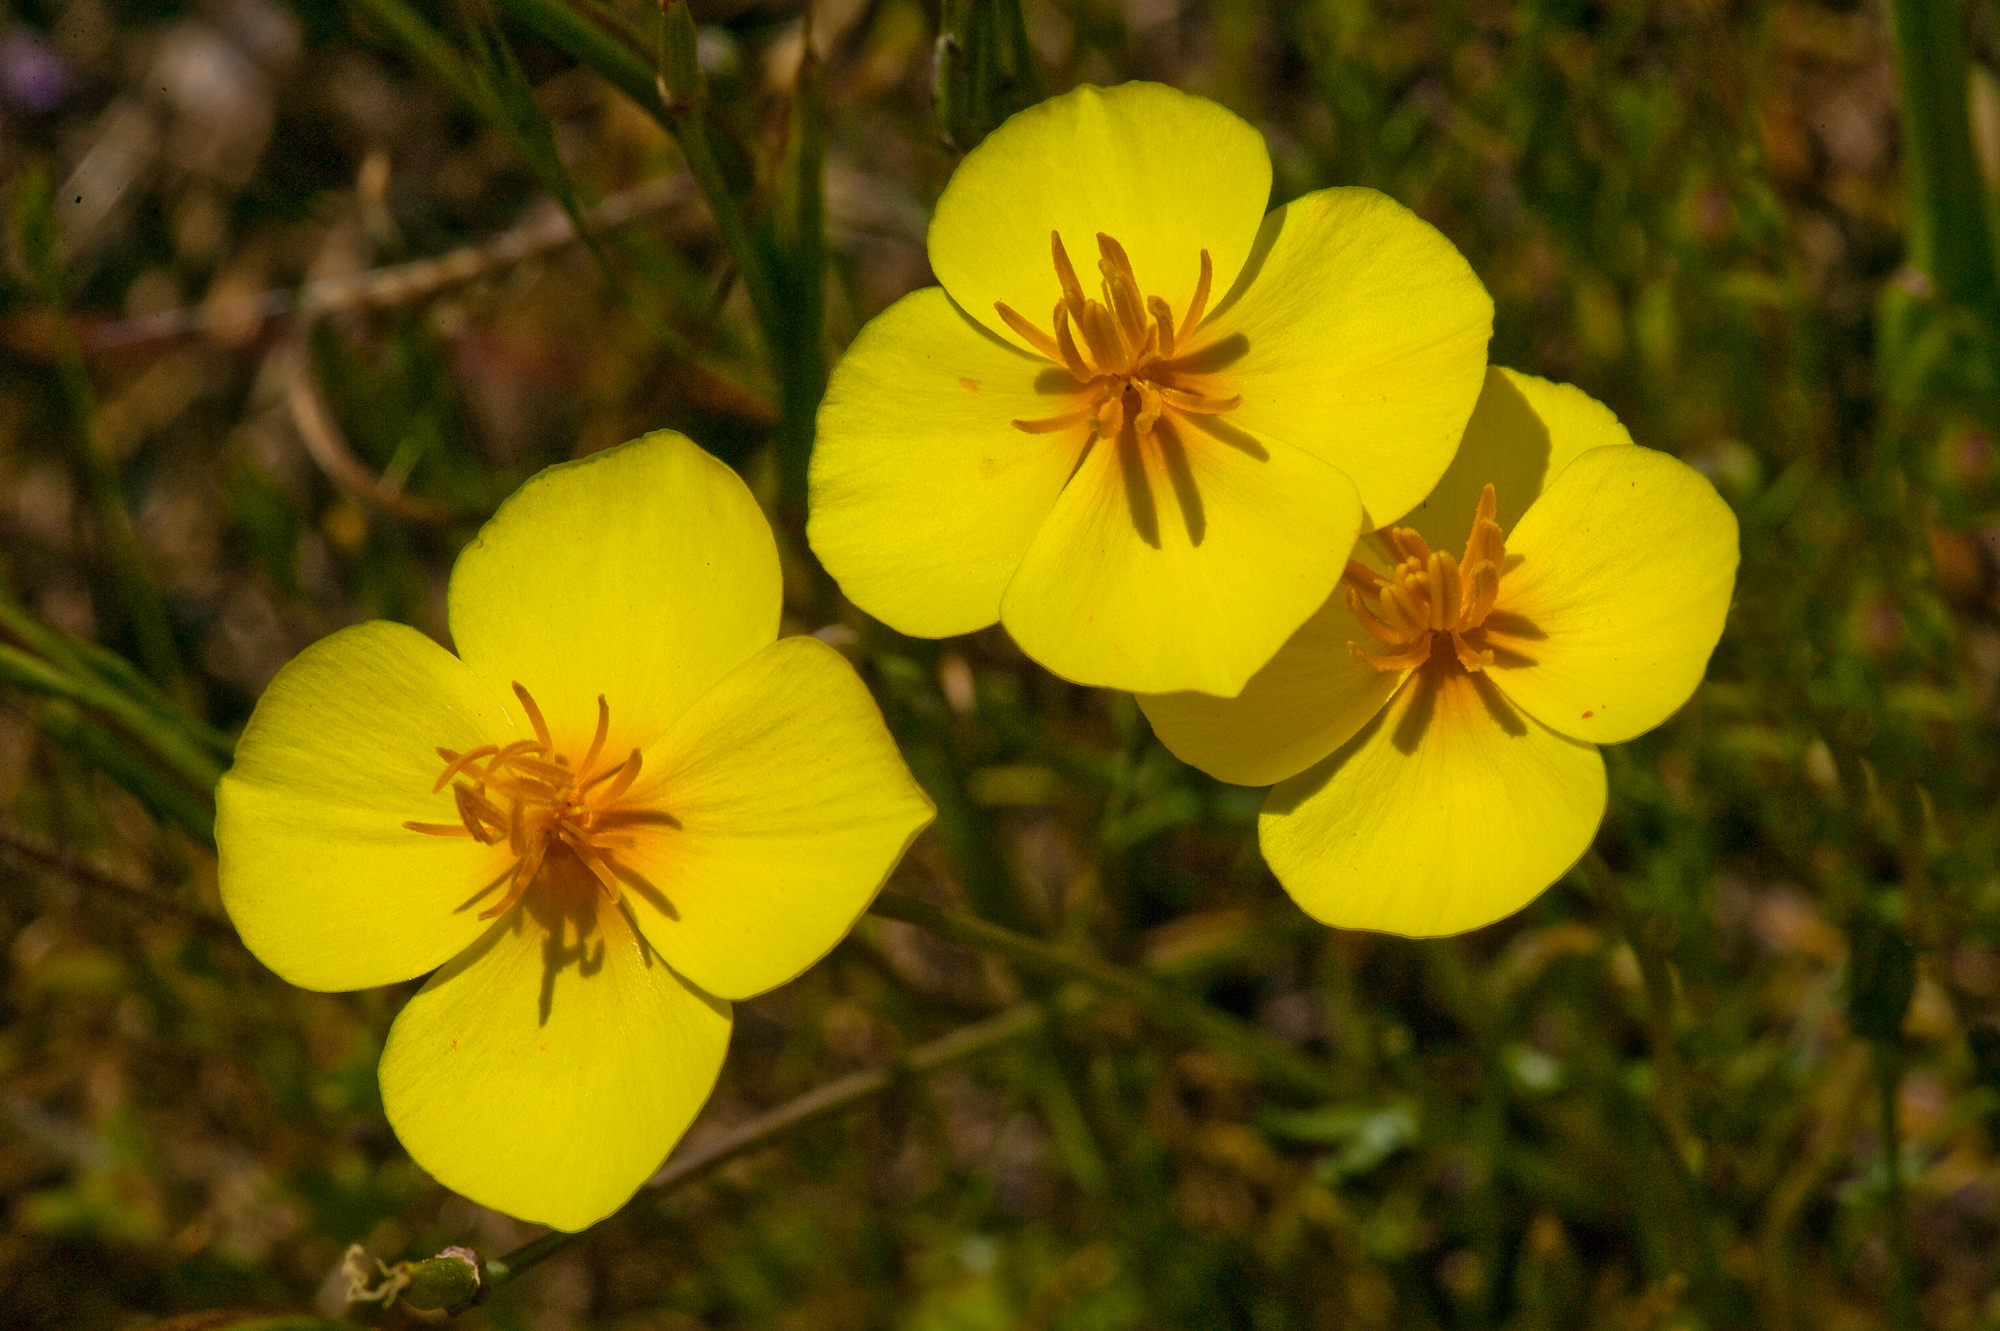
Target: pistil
{"points": [[1125, 361], [1429, 597], [529, 796]]}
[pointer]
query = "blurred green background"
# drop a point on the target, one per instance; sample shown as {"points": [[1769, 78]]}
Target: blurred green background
{"points": [[290, 302]]}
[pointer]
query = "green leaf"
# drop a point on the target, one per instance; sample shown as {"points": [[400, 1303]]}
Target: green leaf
{"points": [[983, 69]]}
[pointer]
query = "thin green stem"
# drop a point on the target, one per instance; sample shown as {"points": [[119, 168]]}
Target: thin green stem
{"points": [[1166, 1005], [422, 41], [186, 757], [24, 850], [1949, 239], [91, 661], [1669, 1079], [145, 610], [1669, 1103], [620, 65], [1902, 1284]]}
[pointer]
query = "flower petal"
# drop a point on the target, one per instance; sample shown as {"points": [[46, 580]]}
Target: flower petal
{"points": [[1522, 434], [792, 805], [1164, 173], [1357, 333], [1307, 702], [1626, 565], [924, 493], [323, 881], [1449, 811], [1181, 565], [644, 573], [549, 1080]]}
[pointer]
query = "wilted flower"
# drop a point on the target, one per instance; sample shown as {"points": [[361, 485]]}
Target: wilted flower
{"points": [[623, 804], [1154, 478], [1433, 729]]}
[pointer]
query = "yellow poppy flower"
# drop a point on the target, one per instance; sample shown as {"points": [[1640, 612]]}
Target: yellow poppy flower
{"points": [[1433, 728], [1152, 485], [622, 804]]}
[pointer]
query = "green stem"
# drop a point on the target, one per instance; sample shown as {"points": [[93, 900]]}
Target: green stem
{"points": [[798, 232], [1165, 1005], [1949, 239], [186, 757], [422, 41], [88, 660], [1902, 1286], [27, 851], [75, 733], [1669, 1081], [822, 1102], [145, 611], [1668, 1118], [624, 69]]}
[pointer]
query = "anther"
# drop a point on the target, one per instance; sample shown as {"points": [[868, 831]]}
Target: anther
{"points": [[534, 716]]}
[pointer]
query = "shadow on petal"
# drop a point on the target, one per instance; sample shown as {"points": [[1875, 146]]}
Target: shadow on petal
{"points": [[1498, 707], [1218, 428], [1174, 455], [1138, 489]]}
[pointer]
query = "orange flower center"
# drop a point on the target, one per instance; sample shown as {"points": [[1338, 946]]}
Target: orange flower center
{"points": [[1429, 598], [546, 809], [1125, 360]]}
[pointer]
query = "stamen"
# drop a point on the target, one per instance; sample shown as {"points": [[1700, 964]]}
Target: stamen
{"points": [[546, 803], [524, 875], [1124, 343], [1200, 404], [597, 866], [1163, 323], [1199, 305], [534, 716], [480, 816], [1100, 334], [440, 829], [1111, 417], [628, 772], [1121, 288], [1430, 594], [458, 762], [1149, 408], [1034, 336], [1065, 274], [597, 740], [1072, 359], [1050, 424]]}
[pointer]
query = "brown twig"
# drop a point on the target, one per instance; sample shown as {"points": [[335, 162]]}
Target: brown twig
{"points": [[418, 280], [27, 850], [327, 445], [821, 1102]]}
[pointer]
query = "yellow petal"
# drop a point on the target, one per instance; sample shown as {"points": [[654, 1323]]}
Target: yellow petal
{"points": [[1358, 334], [1522, 434], [1164, 173], [323, 881], [1448, 812], [1625, 568], [792, 805], [924, 494], [644, 573], [1186, 566], [549, 1080], [1302, 706]]}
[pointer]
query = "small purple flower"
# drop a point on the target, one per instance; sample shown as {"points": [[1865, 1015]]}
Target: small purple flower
{"points": [[32, 76]]}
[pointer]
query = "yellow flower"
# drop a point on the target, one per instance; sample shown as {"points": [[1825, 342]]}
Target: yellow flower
{"points": [[1151, 477], [1433, 729], [624, 803]]}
